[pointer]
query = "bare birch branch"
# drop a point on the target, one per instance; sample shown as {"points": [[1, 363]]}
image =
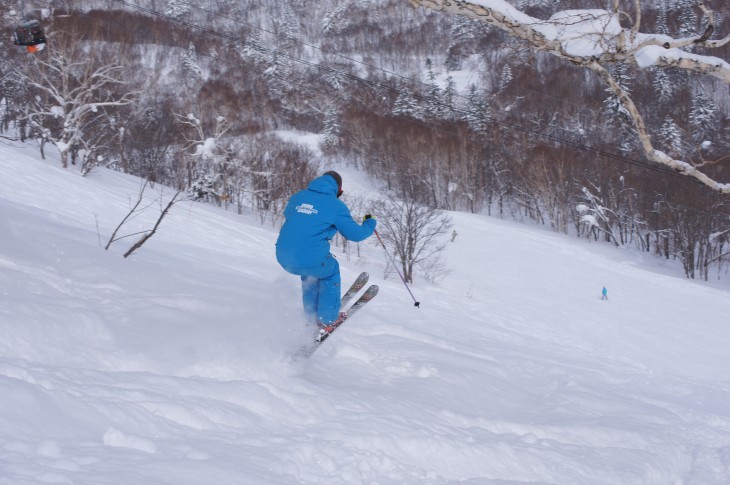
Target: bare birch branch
{"points": [[610, 43]]}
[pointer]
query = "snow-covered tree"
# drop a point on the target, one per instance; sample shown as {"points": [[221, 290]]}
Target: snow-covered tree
{"points": [[663, 86], [434, 105], [505, 78], [331, 129], [205, 152], [406, 104], [205, 187], [702, 116], [190, 63], [478, 113], [596, 217], [453, 59], [661, 18], [289, 28], [277, 73], [253, 48], [177, 8], [72, 98], [448, 98], [617, 113], [670, 137], [334, 21], [334, 77], [687, 18], [596, 39], [613, 105], [463, 30]]}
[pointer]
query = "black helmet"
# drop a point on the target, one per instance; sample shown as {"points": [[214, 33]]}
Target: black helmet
{"points": [[338, 179]]}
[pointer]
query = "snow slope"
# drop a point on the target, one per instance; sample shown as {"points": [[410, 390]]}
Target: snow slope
{"points": [[173, 366]]}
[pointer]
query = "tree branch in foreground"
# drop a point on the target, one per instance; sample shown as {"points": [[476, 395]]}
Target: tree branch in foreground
{"points": [[135, 210], [593, 39]]}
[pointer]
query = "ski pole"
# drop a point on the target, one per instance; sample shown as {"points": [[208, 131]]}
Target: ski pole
{"points": [[417, 303]]}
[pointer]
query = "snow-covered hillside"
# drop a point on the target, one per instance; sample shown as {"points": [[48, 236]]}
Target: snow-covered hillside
{"points": [[173, 366]]}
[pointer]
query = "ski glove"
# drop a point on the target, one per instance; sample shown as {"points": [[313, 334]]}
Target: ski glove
{"points": [[366, 217]]}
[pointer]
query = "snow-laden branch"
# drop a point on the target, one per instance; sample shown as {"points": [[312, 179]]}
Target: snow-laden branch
{"points": [[68, 94], [582, 36], [593, 38], [204, 145]]}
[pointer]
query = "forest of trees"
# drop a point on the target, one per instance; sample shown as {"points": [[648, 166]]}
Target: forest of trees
{"points": [[443, 110]]}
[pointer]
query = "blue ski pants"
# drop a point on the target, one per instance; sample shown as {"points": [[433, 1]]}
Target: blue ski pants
{"points": [[320, 289]]}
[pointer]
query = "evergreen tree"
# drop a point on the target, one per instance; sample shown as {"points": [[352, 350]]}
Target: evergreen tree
{"points": [[434, 103], [190, 63], [405, 104], [626, 139], [278, 73], [205, 186], [177, 8], [289, 29], [702, 116], [661, 19], [725, 130], [719, 17], [453, 58], [506, 77], [335, 21], [612, 104], [617, 113], [463, 29], [449, 93], [478, 113], [687, 18], [671, 137], [663, 86], [335, 78], [252, 48], [331, 130], [521, 4]]}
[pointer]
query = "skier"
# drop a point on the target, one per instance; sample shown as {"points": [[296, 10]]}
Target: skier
{"points": [[313, 217], [604, 294]]}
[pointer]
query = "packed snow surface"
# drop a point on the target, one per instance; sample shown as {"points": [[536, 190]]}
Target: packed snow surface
{"points": [[174, 366]]}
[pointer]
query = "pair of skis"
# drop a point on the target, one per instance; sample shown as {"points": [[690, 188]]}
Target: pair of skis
{"points": [[358, 285]]}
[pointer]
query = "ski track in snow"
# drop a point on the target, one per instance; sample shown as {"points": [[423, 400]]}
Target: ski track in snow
{"points": [[174, 366]]}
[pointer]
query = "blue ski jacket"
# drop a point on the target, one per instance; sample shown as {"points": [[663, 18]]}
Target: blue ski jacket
{"points": [[313, 217]]}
